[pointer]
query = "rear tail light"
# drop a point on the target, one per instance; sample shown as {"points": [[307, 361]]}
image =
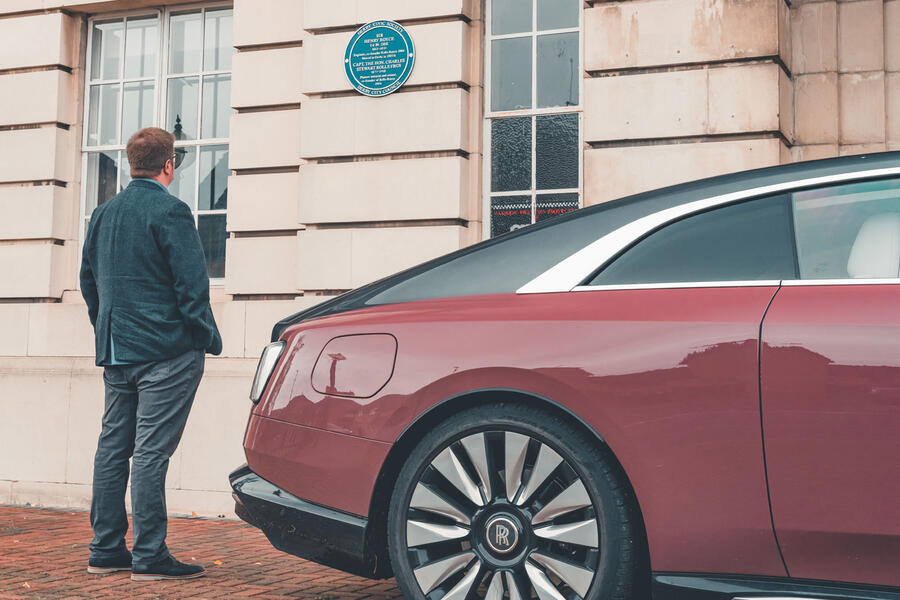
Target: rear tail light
{"points": [[267, 362]]}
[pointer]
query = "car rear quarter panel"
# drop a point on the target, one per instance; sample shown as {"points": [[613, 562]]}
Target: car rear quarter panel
{"points": [[668, 378]]}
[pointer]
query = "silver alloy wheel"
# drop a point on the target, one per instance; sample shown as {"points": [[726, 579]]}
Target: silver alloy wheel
{"points": [[500, 514]]}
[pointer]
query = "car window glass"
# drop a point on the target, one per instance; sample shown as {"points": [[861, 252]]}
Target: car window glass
{"points": [[741, 242], [849, 231], [507, 262]]}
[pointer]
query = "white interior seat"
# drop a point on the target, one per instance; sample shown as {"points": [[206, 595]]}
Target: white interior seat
{"points": [[876, 252]]}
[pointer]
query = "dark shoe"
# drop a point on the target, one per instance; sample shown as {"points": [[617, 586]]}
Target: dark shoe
{"points": [[168, 568], [104, 566]]}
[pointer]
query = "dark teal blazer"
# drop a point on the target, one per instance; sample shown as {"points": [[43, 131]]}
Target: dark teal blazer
{"points": [[143, 276]]}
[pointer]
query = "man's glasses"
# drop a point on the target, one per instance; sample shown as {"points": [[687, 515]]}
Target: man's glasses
{"points": [[178, 158]]}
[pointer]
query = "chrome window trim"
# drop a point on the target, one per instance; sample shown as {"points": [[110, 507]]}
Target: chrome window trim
{"points": [[571, 271], [724, 284], [678, 285], [775, 598], [806, 282]]}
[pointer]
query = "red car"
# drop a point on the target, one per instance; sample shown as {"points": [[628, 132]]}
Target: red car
{"points": [[689, 393]]}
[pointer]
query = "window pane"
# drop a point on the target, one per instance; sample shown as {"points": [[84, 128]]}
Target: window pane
{"points": [[558, 70], [212, 236], [217, 47], [103, 115], [509, 213], [137, 107], [557, 14], [556, 149], [106, 50], [510, 16], [182, 107], [216, 106], [511, 74], [101, 179], [742, 242], [141, 39], [553, 205], [184, 186], [213, 178], [511, 154], [849, 231], [185, 43], [124, 171]]}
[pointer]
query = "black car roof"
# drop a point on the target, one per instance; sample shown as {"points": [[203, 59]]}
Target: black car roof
{"points": [[498, 265]]}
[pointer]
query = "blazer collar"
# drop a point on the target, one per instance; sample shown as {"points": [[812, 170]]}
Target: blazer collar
{"points": [[150, 185]]}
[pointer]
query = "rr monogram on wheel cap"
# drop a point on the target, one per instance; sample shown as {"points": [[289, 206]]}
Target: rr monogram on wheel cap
{"points": [[502, 535]]}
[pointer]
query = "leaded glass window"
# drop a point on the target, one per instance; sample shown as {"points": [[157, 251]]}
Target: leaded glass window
{"points": [[170, 69], [533, 111]]}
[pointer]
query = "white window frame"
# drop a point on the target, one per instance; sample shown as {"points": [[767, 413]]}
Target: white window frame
{"points": [[567, 275], [490, 115], [161, 79]]}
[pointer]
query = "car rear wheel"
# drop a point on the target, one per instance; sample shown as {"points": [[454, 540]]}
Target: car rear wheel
{"points": [[505, 501]]}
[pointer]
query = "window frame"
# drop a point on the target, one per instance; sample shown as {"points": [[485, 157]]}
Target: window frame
{"points": [[532, 113], [794, 227], [161, 81], [568, 274], [836, 181], [782, 198]]}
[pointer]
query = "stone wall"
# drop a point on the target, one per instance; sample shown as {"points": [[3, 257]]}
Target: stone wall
{"points": [[393, 181], [846, 77], [683, 89]]}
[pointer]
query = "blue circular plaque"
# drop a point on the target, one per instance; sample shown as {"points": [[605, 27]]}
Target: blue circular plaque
{"points": [[379, 58]]}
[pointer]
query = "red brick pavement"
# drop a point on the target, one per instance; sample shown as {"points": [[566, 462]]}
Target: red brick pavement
{"points": [[43, 555]]}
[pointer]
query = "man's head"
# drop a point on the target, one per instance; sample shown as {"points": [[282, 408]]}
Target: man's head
{"points": [[151, 154]]}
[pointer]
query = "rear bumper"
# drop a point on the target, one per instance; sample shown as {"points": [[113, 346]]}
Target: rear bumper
{"points": [[323, 535]]}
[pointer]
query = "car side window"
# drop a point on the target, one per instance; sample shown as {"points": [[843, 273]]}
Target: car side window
{"points": [[749, 241], [849, 231]]}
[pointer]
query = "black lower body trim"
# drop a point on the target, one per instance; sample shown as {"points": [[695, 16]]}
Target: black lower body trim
{"points": [[688, 586], [323, 535]]}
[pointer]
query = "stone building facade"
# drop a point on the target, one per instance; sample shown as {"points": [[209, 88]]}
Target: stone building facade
{"points": [[515, 110]]}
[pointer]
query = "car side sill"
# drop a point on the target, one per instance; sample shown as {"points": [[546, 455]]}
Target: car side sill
{"points": [[324, 535], [690, 586]]}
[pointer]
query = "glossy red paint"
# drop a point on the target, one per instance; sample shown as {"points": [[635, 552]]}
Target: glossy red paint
{"points": [[356, 366], [307, 462], [830, 369], [668, 378]]}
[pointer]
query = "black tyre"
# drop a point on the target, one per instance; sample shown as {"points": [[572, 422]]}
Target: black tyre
{"points": [[506, 501]]}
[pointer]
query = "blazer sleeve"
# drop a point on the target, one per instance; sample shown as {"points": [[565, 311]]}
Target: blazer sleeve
{"points": [[180, 244], [88, 282]]}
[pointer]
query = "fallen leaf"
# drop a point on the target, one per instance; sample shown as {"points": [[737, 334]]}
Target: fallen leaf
{"points": [[217, 562], [26, 585], [193, 514]]}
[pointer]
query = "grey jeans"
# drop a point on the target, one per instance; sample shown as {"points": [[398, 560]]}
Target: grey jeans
{"points": [[147, 407]]}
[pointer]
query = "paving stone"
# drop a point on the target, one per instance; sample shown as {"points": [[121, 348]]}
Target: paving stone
{"points": [[45, 555]]}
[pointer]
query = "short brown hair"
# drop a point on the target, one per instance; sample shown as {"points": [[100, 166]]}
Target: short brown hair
{"points": [[148, 150]]}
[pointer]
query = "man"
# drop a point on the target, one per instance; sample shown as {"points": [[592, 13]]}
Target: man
{"points": [[143, 276]]}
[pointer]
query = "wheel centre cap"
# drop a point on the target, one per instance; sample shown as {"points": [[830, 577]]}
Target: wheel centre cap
{"points": [[501, 535]]}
